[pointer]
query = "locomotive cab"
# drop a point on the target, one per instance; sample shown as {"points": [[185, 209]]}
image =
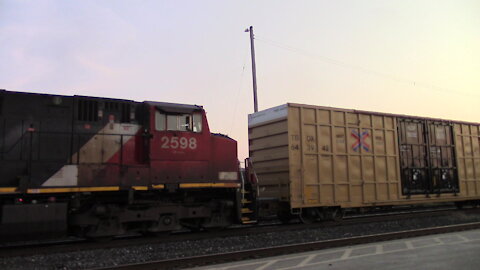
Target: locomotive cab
{"points": [[184, 154]]}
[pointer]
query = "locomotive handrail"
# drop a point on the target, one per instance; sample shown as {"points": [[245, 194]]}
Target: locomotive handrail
{"points": [[78, 133], [15, 144]]}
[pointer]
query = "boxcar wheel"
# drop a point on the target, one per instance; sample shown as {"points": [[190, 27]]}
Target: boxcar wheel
{"points": [[336, 214], [309, 215]]}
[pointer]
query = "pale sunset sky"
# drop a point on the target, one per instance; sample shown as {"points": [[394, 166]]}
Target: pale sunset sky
{"points": [[407, 57]]}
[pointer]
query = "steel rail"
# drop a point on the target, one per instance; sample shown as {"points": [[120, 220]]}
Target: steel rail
{"points": [[288, 249], [75, 245]]}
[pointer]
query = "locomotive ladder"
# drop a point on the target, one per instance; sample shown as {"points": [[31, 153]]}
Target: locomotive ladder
{"points": [[248, 199]]}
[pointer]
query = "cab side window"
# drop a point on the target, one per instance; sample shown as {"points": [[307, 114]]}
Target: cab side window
{"points": [[172, 123], [184, 122], [160, 121], [178, 122], [197, 122]]}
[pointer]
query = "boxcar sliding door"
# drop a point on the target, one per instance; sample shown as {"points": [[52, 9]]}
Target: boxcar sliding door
{"points": [[427, 157], [443, 168]]}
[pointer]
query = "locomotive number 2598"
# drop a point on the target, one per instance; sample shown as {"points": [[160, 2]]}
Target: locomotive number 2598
{"points": [[178, 142]]}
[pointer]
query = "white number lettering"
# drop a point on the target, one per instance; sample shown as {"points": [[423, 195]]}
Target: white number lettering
{"points": [[192, 143], [183, 142], [175, 142], [164, 140]]}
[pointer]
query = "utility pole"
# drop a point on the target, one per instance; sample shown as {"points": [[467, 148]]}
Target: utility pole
{"points": [[254, 70]]}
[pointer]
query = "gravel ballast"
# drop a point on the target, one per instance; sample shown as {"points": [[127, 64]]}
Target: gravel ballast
{"points": [[136, 254]]}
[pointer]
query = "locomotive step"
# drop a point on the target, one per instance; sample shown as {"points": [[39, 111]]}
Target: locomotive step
{"points": [[246, 211], [246, 220]]}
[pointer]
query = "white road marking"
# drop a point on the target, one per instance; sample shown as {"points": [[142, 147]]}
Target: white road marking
{"points": [[266, 265], [409, 245], [439, 241], [346, 255], [465, 239], [307, 260]]}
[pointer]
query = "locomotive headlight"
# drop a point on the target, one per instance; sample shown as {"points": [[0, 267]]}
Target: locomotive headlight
{"points": [[233, 176]]}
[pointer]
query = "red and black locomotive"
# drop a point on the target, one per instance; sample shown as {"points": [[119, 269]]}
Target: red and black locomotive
{"points": [[99, 167]]}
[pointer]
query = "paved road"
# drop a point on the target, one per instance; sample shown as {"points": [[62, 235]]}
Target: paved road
{"points": [[446, 251]]}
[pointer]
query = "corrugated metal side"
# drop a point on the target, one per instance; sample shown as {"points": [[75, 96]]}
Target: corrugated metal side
{"points": [[467, 140], [341, 157], [268, 147]]}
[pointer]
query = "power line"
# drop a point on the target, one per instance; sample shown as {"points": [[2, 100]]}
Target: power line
{"points": [[362, 69], [238, 93]]}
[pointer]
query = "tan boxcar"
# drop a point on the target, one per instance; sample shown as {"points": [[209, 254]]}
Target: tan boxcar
{"points": [[312, 156]]}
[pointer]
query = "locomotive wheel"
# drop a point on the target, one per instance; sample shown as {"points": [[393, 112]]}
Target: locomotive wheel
{"points": [[90, 234], [155, 234], [194, 225]]}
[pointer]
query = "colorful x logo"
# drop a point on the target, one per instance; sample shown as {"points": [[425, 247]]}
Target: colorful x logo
{"points": [[360, 143]]}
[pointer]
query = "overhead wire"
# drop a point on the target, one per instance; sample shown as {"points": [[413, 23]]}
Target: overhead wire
{"points": [[360, 68], [238, 92]]}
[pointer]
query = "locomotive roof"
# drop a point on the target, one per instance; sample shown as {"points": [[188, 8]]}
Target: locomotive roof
{"points": [[162, 106], [174, 107]]}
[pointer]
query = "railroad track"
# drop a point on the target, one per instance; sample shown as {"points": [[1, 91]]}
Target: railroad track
{"points": [[74, 245], [289, 249]]}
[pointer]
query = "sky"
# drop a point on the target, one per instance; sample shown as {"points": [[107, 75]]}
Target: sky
{"points": [[407, 57]]}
